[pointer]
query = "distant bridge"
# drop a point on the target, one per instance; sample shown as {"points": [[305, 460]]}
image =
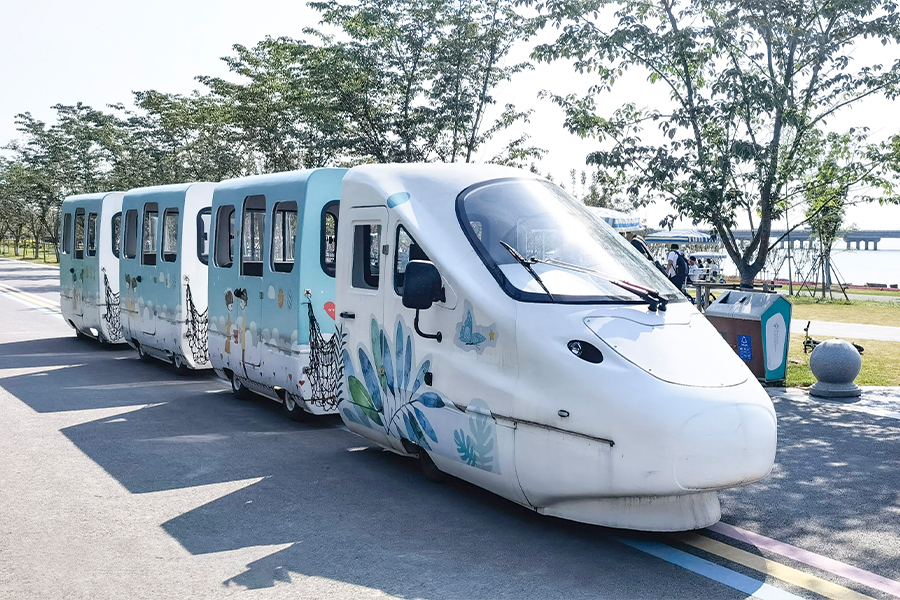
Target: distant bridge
{"points": [[799, 236]]}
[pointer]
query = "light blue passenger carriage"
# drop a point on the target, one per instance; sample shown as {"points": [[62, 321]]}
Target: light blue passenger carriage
{"points": [[89, 265], [271, 287], [165, 248]]}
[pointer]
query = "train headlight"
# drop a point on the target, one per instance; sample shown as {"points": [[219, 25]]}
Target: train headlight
{"points": [[585, 351]]}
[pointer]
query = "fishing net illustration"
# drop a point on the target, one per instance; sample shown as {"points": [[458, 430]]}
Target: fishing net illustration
{"points": [[197, 330], [113, 322], [323, 372]]}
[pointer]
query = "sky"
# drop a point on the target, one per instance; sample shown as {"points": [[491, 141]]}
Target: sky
{"points": [[99, 51]]}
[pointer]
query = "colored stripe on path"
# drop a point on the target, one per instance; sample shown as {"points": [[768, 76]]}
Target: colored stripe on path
{"points": [[30, 298], [876, 582], [700, 566], [769, 567]]}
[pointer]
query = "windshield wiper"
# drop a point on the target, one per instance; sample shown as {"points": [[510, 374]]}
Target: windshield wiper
{"points": [[650, 296], [527, 262]]}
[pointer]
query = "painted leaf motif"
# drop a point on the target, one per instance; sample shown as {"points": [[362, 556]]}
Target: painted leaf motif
{"points": [[431, 400], [349, 371], [408, 358], [401, 380], [371, 379], [426, 426], [387, 363], [417, 431], [362, 399], [410, 433], [350, 416], [464, 447], [420, 378], [482, 432], [362, 416], [377, 352]]}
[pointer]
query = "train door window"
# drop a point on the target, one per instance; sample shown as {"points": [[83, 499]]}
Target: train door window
{"points": [[224, 247], [284, 234], [407, 250], [170, 235], [149, 239], [79, 233], [204, 217], [129, 247], [67, 234], [366, 256], [328, 254], [252, 232], [116, 230], [92, 234]]}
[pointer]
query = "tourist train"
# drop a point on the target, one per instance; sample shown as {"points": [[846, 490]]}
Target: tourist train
{"points": [[475, 317]]}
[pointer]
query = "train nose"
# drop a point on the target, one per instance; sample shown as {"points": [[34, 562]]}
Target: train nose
{"points": [[726, 446]]}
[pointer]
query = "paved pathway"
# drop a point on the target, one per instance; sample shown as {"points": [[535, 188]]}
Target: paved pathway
{"points": [[823, 329]]}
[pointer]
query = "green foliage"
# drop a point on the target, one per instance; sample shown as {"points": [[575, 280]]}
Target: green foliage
{"points": [[748, 85]]}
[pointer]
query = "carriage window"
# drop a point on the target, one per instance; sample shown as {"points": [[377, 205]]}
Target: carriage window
{"points": [[284, 232], [252, 232], [204, 217], [148, 237], [129, 249], [329, 237], [116, 224], [67, 234], [79, 233], [407, 250], [225, 236], [366, 256], [92, 234], [170, 235]]}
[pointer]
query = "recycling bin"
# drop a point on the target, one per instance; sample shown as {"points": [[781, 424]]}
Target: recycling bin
{"points": [[757, 326]]}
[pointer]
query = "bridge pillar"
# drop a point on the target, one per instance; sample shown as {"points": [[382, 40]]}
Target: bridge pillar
{"points": [[867, 244], [857, 244], [874, 244], [848, 245]]}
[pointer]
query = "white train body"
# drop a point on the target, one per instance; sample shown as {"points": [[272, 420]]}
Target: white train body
{"points": [[638, 439], [163, 272], [89, 265]]}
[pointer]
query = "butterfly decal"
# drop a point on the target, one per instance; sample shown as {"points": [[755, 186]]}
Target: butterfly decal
{"points": [[466, 333]]}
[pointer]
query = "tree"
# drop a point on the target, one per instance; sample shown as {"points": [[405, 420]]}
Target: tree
{"points": [[749, 85]]}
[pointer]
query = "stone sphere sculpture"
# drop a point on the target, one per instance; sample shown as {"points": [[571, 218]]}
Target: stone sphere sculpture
{"points": [[835, 364]]}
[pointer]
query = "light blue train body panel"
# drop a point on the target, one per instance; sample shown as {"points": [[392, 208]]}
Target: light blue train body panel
{"points": [[89, 266], [259, 309], [163, 273]]}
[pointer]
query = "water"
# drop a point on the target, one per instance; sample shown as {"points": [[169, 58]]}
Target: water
{"points": [[857, 267]]}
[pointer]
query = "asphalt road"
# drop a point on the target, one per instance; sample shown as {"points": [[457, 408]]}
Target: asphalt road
{"points": [[119, 479]]}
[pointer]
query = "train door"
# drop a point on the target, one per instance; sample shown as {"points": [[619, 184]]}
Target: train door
{"points": [[90, 280], [67, 268], [361, 293], [250, 293], [77, 268], [282, 301], [128, 272], [147, 288]]}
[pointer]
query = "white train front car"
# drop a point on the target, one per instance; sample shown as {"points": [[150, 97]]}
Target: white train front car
{"points": [[550, 384]]}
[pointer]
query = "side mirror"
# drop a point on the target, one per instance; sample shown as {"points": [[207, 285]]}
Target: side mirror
{"points": [[422, 285], [421, 288]]}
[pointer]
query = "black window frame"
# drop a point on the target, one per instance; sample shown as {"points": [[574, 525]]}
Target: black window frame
{"points": [[169, 257], [115, 225], [148, 258], [79, 252], [283, 266], [203, 232], [224, 214], [362, 277], [132, 217], [399, 278], [331, 208], [90, 242], [253, 268], [66, 236]]}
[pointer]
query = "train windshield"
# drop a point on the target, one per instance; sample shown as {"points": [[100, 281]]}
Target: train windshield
{"points": [[543, 245]]}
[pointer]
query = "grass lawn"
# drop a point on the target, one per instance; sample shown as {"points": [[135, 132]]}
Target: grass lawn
{"points": [[866, 312], [880, 363], [27, 254]]}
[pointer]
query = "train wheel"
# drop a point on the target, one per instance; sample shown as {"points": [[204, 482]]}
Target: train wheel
{"points": [[239, 389], [432, 473], [181, 367], [292, 409]]}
